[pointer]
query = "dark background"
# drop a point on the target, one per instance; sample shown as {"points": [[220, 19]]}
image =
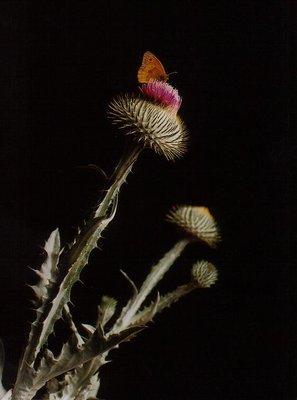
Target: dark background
{"points": [[61, 63]]}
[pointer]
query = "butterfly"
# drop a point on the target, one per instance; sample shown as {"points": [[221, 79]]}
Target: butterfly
{"points": [[151, 69]]}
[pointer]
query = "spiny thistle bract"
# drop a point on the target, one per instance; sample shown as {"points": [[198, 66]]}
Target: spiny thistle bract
{"points": [[151, 117]]}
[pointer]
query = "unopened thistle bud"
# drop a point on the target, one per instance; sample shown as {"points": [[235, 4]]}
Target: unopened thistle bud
{"points": [[197, 222], [204, 274], [151, 118]]}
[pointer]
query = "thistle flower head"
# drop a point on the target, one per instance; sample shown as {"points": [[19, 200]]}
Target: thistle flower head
{"points": [[162, 93], [196, 222], [204, 274], [151, 118]]}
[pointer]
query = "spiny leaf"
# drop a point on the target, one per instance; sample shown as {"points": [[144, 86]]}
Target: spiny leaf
{"points": [[67, 315], [106, 310], [153, 278], [72, 356], [51, 311], [48, 270], [134, 287], [81, 383], [147, 313]]}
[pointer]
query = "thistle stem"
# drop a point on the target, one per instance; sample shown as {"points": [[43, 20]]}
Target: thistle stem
{"points": [[156, 274], [119, 176], [167, 300]]}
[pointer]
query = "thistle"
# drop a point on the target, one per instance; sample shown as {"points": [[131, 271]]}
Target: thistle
{"points": [[197, 224], [149, 120]]}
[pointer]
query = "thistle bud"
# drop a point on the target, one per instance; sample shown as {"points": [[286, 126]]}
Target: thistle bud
{"points": [[204, 274], [196, 222]]}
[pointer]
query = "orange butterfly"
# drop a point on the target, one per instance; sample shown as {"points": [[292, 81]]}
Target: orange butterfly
{"points": [[151, 69]]}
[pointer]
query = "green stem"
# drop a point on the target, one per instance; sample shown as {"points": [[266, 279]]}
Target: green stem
{"points": [[119, 176], [156, 274], [165, 301]]}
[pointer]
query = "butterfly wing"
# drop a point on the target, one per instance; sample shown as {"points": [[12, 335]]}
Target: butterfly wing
{"points": [[151, 69]]}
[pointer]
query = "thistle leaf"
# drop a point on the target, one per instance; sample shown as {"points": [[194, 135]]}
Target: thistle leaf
{"points": [[147, 313], [7, 395], [134, 287], [48, 270], [90, 329], [67, 315], [71, 357], [77, 385], [51, 310], [106, 310], [153, 278]]}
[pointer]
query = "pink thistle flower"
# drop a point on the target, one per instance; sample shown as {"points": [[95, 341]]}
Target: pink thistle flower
{"points": [[163, 94]]}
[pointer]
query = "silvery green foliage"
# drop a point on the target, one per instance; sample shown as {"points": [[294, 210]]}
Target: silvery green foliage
{"points": [[74, 373]]}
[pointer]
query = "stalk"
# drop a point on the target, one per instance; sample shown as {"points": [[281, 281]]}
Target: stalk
{"points": [[156, 274]]}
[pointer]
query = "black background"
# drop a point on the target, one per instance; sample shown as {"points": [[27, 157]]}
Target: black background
{"points": [[61, 63]]}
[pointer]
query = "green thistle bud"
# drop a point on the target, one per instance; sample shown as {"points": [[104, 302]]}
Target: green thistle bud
{"points": [[204, 274]]}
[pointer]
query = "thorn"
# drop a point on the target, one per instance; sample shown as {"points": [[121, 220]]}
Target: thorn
{"points": [[95, 168], [134, 287]]}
